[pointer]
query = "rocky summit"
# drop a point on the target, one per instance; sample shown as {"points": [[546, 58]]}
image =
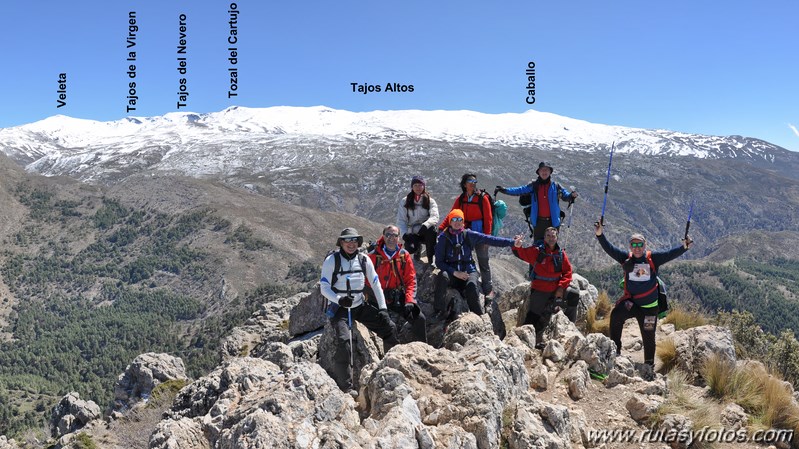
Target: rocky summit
{"points": [[471, 389]]}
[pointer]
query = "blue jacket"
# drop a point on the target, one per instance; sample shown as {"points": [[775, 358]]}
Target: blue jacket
{"points": [[555, 192], [454, 251]]}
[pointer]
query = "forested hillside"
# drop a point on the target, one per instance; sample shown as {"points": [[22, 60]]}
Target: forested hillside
{"points": [[767, 289], [94, 283]]}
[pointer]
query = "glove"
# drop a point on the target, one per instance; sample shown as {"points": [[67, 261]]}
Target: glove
{"points": [[574, 195], [598, 228], [422, 230], [686, 243], [345, 301], [383, 315], [499, 189], [411, 311]]}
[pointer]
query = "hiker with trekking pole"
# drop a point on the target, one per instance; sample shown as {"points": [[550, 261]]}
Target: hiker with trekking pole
{"points": [[641, 297], [541, 201], [343, 280]]}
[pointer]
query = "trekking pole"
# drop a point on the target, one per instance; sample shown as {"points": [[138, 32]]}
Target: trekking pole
{"points": [[571, 213], [688, 223], [349, 325], [607, 181], [571, 203]]}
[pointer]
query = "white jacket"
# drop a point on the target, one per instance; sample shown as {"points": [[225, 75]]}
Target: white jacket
{"points": [[350, 269], [412, 220]]}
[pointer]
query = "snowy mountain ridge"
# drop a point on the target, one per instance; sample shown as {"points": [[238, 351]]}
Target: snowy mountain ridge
{"points": [[59, 136]]}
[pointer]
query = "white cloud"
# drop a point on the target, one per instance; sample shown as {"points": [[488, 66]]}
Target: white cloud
{"points": [[793, 128]]}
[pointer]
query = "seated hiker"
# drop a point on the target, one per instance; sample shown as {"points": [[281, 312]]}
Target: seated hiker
{"points": [[397, 275], [640, 297], [551, 279], [544, 200], [344, 275], [478, 216], [454, 259], [417, 218]]}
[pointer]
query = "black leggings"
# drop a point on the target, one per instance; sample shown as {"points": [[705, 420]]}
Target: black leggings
{"points": [[429, 236], [647, 322]]}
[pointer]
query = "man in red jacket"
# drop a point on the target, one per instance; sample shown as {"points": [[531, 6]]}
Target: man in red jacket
{"points": [[477, 216], [397, 275], [551, 276]]}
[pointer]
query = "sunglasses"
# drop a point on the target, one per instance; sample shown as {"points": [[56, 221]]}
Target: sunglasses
{"points": [[455, 219], [390, 235], [637, 245], [350, 240], [472, 181]]}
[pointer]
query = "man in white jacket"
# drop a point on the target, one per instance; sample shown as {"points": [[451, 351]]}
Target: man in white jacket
{"points": [[344, 275], [417, 219]]}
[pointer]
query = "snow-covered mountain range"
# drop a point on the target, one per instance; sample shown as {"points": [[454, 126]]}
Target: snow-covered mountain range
{"points": [[361, 162], [64, 145]]}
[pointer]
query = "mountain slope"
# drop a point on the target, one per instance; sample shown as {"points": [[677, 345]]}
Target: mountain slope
{"points": [[361, 163]]}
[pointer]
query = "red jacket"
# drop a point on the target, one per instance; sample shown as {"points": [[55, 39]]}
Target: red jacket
{"points": [[393, 273], [546, 278], [479, 208]]}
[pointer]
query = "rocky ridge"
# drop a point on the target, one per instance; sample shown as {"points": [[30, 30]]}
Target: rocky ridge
{"points": [[469, 390]]}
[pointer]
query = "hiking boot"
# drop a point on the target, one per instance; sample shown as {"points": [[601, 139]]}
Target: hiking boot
{"points": [[647, 372]]}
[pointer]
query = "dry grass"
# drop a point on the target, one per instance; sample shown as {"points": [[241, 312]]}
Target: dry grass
{"points": [[683, 318], [764, 396], [683, 399], [667, 353], [597, 318]]}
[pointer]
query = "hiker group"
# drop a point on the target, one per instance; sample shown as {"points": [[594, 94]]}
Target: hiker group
{"points": [[379, 288]]}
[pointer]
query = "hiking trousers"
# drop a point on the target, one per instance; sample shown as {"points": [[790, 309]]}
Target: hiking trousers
{"points": [[647, 322], [428, 236], [541, 225], [367, 315], [418, 329], [468, 289], [540, 306], [485, 269]]}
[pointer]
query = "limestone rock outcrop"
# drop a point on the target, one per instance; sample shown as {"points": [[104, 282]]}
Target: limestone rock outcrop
{"points": [[72, 413], [143, 375]]}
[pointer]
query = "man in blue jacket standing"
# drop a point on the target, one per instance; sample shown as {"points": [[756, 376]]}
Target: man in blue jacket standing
{"points": [[544, 200]]}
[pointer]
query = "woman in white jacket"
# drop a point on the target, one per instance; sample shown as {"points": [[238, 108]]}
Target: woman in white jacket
{"points": [[417, 219]]}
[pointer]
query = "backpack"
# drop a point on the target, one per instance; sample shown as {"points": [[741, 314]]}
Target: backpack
{"points": [[663, 303], [500, 210], [330, 308], [491, 201], [526, 201], [393, 262], [557, 260], [337, 270]]}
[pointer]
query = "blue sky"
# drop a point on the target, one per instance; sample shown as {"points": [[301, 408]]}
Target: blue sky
{"points": [[705, 67]]}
